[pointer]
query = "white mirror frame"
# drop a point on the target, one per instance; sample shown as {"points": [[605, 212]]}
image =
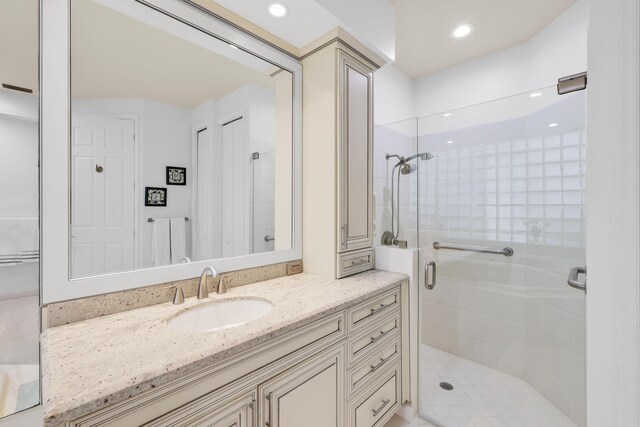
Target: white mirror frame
{"points": [[55, 166]]}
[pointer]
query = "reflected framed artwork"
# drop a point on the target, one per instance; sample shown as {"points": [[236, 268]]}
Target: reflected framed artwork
{"points": [[176, 175], [155, 196]]}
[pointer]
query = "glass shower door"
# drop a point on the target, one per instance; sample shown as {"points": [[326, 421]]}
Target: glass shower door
{"points": [[502, 334]]}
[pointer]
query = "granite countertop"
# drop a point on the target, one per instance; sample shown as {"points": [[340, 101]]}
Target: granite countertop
{"points": [[98, 362]]}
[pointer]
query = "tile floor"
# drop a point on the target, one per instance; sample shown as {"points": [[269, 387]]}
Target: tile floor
{"points": [[396, 421], [482, 397]]}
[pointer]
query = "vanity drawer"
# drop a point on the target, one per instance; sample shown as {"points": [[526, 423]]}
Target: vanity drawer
{"points": [[362, 344], [364, 373], [218, 409], [362, 315], [354, 262], [375, 406]]}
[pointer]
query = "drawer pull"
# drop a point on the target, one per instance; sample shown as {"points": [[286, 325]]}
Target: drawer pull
{"points": [[268, 422], [382, 362], [382, 333], [377, 411], [361, 262], [382, 306]]}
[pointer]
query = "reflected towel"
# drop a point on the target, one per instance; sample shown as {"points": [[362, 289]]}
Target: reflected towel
{"points": [[178, 240], [161, 242]]}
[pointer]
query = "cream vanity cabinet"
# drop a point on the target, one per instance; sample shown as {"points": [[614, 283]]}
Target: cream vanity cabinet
{"points": [[342, 370], [337, 160]]}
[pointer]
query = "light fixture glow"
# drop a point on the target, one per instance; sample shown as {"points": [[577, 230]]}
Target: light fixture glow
{"points": [[449, 142], [277, 10], [233, 47], [552, 125], [535, 94], [462, 31], [447, 114]]}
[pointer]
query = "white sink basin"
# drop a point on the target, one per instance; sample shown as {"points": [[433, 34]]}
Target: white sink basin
{"points": [[219, 315]]}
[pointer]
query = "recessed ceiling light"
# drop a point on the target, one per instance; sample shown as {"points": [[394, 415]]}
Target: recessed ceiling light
{"points": [[449, 142], [447, 114], [552, 125], [232, 46], [462, 31], [535, 94], [277, 10]]}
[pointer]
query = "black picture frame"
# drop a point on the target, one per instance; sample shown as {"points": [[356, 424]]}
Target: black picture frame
{"points": [[176, 175], [155, 197]]}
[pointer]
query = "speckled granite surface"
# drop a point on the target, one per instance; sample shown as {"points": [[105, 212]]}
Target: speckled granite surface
{"points": [[91, 364], [66, 312]]}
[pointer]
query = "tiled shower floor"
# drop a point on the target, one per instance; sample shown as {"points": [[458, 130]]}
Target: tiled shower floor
{"points": [[482, 397]]}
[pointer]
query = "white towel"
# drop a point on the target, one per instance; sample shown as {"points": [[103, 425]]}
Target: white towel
{"points": [[161, 242], [178, 240]]}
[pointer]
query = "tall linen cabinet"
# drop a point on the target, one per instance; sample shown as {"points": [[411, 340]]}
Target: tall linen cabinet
{"points": [[337, 156]]}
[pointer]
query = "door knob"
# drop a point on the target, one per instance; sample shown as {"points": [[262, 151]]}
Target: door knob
{"points": [[99, 168]]}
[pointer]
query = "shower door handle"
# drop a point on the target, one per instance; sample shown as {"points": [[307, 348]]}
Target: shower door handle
{"points": [[430, 267], [573, 278]]}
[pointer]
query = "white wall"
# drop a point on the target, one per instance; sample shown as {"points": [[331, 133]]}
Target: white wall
{"points": [[393, 100], [167, 142]]}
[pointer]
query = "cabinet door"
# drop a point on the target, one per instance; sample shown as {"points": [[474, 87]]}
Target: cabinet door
{"points": [[309, 394], [355, 155]]}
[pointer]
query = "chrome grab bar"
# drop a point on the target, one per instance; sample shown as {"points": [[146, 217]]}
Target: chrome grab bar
{"points": [[430, 266], [504, 251], [573, 278]]}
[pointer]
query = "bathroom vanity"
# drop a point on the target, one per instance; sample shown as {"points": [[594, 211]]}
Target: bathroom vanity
{"points": [[329, 353]]}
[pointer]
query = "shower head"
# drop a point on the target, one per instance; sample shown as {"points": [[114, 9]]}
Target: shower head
{"points": [[422, 156], [407, 168]]}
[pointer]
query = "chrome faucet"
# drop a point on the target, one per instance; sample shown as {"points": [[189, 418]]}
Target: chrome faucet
{"points": [[202, 287]]}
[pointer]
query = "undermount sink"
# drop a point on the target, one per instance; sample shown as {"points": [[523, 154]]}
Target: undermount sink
{"points": [[219, 315]]}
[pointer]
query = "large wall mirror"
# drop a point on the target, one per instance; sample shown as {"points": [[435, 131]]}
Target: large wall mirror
{"points": [[181, 147]]}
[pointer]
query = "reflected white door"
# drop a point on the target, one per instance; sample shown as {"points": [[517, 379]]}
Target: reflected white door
{"points": [[203, 238], [102, 222], [236, 191]]}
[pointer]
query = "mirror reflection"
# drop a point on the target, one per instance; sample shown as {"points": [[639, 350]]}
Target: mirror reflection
{"points": [[19, 212], [181, 146]]}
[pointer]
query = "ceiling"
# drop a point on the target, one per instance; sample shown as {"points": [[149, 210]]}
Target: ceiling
{"points": [[141, 61], [305, 21], [19, 43], [423, 44]]}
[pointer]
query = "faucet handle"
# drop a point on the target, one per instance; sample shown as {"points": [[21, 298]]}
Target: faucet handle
{"points": [[222, 287], [178, 297]]}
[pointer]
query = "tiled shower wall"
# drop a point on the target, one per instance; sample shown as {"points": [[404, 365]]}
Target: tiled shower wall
{"points": [[517, 183]]}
